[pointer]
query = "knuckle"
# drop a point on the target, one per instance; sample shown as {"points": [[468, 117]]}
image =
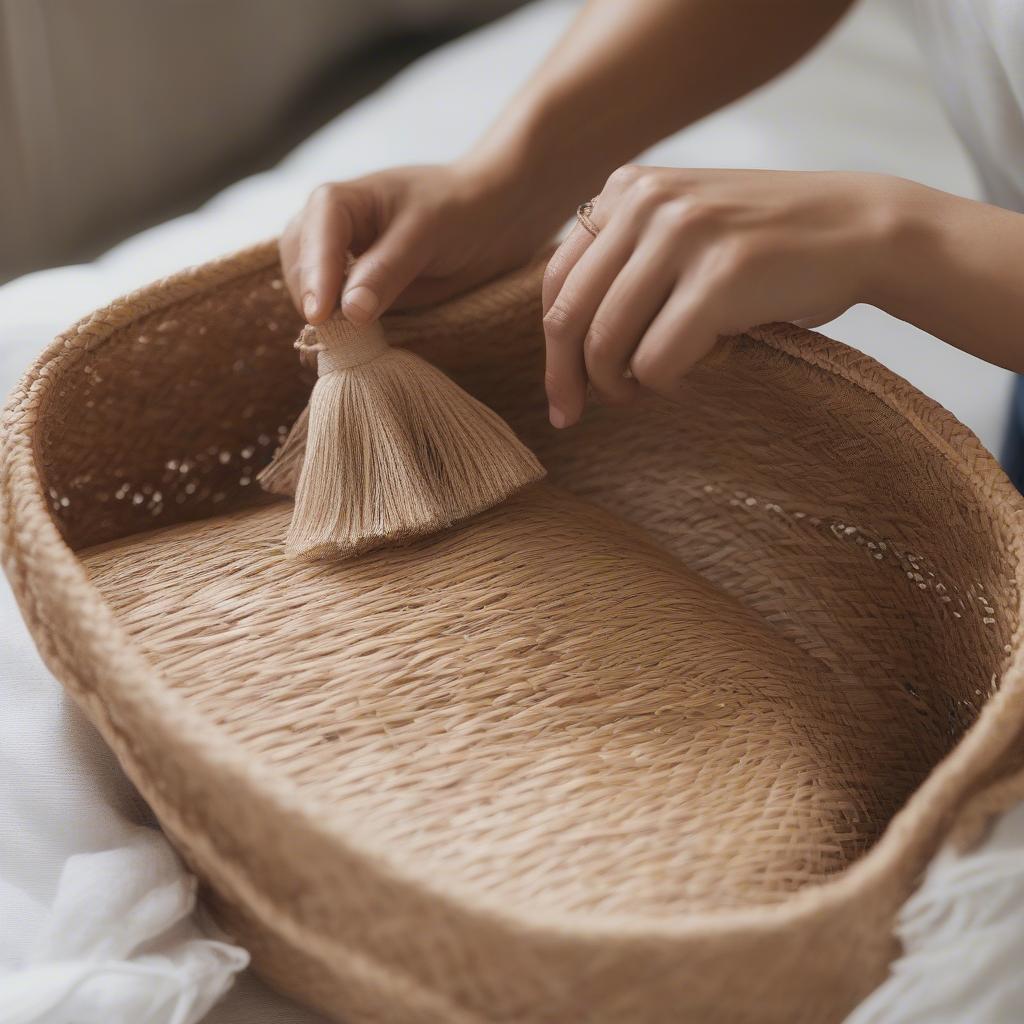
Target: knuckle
{"points": [[687, 214], [323, 195], [684, 213], [597, 345], [558, 322], [624, 177], [649, 192]]}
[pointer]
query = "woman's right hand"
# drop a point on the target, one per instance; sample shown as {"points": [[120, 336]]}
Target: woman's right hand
{"points": [[419, 234]]}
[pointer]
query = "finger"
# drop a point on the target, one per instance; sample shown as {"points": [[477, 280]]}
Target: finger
{"points": [[564, 258], [672, 236], [325, 238], [288, 250], [565, 373], [624, 314], [569, 316], [684, 331], [568, 253], [385, 270]]}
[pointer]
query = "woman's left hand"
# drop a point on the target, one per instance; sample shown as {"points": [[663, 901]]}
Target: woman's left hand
{"points": [[683, 256]]}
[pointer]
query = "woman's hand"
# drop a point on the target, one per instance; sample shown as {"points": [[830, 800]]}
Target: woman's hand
{"points": [[420, 235], [683, 256]]}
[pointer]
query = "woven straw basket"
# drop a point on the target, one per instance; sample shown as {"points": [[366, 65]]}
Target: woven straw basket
{"points": [[669, 737]]}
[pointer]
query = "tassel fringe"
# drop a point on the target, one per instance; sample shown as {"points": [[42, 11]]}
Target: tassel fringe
{"points": [[390, 449], [282, 475]]}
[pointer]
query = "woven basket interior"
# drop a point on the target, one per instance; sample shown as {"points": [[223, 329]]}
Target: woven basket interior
{"points": [[702, 668]]}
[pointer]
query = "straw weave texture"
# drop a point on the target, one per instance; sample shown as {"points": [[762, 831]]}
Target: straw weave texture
{"points": [[670, 737]]}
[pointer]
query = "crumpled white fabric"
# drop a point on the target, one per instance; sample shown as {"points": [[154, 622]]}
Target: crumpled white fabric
{"points": [[96, 921], [963, 938], [119, 944]]}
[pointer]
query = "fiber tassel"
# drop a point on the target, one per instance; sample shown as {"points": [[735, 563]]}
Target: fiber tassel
{"points": [[389, 449], [282, 475]]}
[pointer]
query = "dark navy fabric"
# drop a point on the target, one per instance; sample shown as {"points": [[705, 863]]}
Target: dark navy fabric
{"points": [[1012, 456]]}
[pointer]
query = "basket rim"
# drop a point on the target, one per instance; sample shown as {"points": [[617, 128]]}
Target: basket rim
{"points": [[37, 559]]}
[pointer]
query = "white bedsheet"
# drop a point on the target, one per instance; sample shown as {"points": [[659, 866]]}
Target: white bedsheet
{"points": [[861, 102]]}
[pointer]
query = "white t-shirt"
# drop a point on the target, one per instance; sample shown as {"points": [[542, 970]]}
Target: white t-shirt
{"points": [[975, 49]]}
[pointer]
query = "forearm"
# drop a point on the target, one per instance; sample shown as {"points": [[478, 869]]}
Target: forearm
{"points": [[955, 269], [627, 74]]}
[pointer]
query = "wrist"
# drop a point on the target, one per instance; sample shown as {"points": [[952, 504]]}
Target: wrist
{"points": [[526, 158], [904, 227]]}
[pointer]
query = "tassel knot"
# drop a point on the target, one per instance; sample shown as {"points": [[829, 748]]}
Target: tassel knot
{"points": [[340, 345]]}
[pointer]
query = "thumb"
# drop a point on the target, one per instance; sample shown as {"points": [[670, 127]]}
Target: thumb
{"points": [[385, 270]]}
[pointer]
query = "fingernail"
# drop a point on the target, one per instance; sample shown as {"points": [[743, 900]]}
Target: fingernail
{"points": [[558, 418], [361, 301], [309, 305]]}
